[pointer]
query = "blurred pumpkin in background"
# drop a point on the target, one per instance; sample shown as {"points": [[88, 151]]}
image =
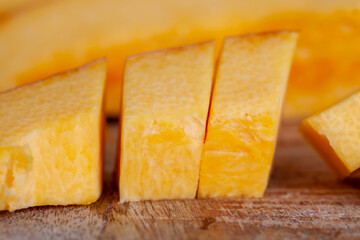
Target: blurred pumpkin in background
{"points": [[40, 38]]}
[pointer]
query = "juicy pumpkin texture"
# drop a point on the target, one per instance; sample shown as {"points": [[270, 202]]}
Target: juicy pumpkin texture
{"points": [[244, 114], [50, 140], [326, 62], [165, 105], [335, 134]]}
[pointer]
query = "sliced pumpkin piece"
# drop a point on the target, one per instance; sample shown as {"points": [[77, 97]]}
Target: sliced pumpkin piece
{"points": [[335, 134], [50, 140], [165, 105], [244, 116]]}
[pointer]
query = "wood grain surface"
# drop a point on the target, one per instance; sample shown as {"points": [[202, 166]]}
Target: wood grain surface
{"points": [[303, 201]]}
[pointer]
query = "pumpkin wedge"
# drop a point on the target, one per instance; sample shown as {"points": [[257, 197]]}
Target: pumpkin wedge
{"points": [[244, 114], [51, 140], [165, 105], [335, 134]]}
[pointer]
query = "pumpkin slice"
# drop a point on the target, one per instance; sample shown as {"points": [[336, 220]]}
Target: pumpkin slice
{"points": [[165, 105], [50, 140], [244, 116], [335, 134]]}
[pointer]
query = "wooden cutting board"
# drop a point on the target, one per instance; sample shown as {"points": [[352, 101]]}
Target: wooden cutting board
{"points": [[303, 200]]}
